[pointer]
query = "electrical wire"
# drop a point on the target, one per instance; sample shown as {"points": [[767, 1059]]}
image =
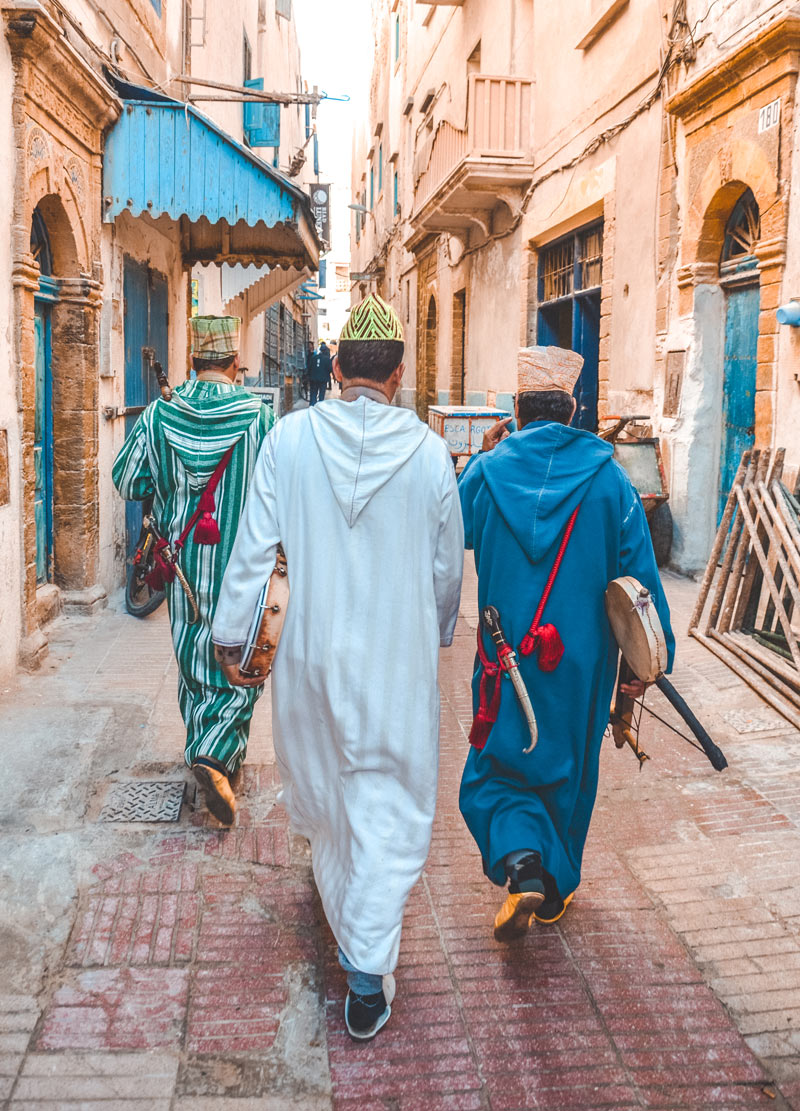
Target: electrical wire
{"points": [[672, 58]]}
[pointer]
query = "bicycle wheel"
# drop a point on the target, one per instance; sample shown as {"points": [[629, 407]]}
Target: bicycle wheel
{"points": [[140, 598]]}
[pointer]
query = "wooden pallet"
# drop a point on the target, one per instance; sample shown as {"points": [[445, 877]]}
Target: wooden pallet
{"points": [[748, 611]]}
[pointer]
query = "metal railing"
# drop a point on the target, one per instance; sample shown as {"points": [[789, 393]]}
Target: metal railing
{"points": [[498, 129]]}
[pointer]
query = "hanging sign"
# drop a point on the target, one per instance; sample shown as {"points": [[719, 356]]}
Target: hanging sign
{"points": [[321, 209]]}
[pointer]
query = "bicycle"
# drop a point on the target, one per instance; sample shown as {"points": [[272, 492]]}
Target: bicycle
{"points": [[140, 598]]}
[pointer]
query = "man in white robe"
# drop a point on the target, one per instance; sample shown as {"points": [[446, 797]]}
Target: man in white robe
{"points": [[362, 487]]}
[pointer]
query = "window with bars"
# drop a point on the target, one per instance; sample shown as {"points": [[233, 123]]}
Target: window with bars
{"points": [[572, 265], [558, 266], [591, 258], [570, 278]]}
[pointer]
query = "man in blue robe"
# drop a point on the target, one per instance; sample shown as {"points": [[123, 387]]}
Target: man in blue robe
{"points": [[529, 812]]}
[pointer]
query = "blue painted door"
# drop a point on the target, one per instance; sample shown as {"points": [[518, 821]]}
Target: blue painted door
{"points": [[43, 443], [574, 323], [739, 384], [146, 326]]}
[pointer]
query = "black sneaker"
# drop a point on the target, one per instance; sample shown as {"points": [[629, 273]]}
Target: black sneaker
{"points": [[552, 909], [365, 1015], [526, 875]]}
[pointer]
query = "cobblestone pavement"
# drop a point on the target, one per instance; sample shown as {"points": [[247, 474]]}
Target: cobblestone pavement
{"points": [[178, 966]]}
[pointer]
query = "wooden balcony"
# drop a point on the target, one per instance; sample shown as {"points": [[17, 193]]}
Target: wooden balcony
{"points": [[466, 181]]}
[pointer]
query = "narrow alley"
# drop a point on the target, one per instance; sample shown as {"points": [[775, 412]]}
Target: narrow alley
{"points": [[172, 965]]}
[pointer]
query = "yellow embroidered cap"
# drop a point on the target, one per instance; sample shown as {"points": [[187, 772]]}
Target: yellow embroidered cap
{"points": [[373, 319], [547, 368], [215, 337]]}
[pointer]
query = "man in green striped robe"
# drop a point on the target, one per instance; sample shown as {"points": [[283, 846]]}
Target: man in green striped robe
{"points": [[170, 454]]}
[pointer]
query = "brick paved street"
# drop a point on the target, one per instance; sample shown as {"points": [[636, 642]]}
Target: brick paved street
{"points": [[179, 966]]}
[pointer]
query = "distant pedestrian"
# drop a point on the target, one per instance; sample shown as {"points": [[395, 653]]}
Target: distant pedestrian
{"points": [[364, 486], [172, 452], [304, 379], [545, 489], [320, 368]]}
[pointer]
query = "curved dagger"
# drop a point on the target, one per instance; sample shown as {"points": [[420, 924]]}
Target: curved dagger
{"points": [[507, 659]]}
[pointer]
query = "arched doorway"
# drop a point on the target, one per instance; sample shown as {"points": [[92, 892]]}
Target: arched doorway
{"points": [[44, 299], [429, 362], [739, 278]]}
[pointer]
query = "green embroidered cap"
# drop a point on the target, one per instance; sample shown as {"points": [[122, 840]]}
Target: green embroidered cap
{"points": [[373, 319], [215, 337]]}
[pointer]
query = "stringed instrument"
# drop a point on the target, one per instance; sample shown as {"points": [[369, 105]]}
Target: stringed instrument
{"points": [[639, 633]]}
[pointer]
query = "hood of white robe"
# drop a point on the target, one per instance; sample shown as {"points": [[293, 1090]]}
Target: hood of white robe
{"points": [[363, 444]]}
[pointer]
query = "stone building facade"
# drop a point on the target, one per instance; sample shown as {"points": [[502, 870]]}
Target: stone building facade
{"points": [[614, 176], [68, 276]]}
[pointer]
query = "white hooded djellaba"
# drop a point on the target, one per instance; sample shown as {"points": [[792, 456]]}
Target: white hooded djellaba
{"points": [[363, 498]]}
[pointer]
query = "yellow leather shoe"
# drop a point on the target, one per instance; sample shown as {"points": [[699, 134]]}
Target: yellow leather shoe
{"points": [[516, 915], [552, 911], [217, 793]]}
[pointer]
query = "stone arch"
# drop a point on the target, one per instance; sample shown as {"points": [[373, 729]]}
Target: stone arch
{"points": [[733, 169], [65, 225], [63, 243]]}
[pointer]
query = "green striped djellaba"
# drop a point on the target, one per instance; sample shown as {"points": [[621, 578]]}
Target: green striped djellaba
{"points": [[171, 453]]}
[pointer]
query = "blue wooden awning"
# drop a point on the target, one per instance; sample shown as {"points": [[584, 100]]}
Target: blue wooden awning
{"points": [[164, 158]]}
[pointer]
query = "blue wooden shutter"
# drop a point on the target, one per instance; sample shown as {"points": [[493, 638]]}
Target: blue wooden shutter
{"points": [[262, 121]]}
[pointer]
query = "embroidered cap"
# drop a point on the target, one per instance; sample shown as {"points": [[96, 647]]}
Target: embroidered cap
{"points": [[547, 368], [215, 337], [373, 319]]}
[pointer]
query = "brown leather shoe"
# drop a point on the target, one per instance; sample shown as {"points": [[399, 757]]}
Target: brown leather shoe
{"points": [[217, 793]]}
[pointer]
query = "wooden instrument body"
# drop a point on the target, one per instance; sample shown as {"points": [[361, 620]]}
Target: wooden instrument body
{"points": [[268, 619], [637, 627]]}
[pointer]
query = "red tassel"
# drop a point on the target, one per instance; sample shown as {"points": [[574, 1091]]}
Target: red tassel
{"points": [[528, 645], [487, 710], [550, 646], [479, 733], [206, 531]]}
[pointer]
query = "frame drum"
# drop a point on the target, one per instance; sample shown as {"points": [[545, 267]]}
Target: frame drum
{"points": [[637, 627]]}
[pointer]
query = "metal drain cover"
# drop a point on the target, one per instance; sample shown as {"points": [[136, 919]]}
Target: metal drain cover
{"points": [[144, 801]]}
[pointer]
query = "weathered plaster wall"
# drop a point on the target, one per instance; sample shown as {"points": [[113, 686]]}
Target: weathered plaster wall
{"points": [[576, 88], [695, 435], [493, 318], [632, 327], [275, 57], [10, 535]]}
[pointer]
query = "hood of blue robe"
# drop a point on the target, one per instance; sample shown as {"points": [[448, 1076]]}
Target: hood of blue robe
{"points": [[363, 444], [537, 476]]}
